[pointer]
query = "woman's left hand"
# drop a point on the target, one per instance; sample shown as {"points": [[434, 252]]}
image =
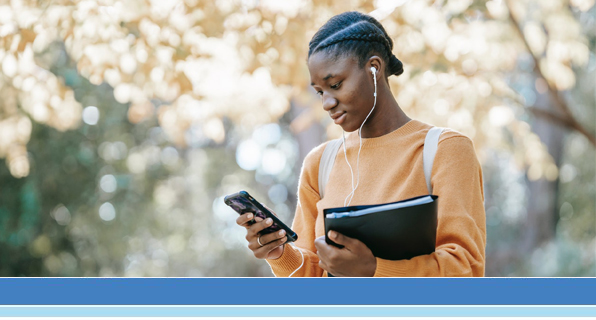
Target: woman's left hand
{"points": [[353, 260]]}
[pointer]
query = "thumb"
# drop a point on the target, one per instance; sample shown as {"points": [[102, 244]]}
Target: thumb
{"points": [[341, 239]]}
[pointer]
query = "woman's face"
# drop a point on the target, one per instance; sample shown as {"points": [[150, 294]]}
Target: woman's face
{"points": [[347, 90]]}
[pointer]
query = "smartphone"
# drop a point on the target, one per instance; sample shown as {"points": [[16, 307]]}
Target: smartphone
{"points": [[242, 202]]}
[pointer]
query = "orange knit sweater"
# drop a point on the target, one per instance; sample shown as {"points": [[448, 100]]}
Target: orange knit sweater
{"points": [[391, 170]]}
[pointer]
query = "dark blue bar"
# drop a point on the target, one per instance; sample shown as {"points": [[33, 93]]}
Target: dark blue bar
{"points": [[295, 291]]}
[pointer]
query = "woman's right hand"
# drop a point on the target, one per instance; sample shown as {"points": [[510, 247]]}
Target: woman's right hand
{"points": [[272, 243]]}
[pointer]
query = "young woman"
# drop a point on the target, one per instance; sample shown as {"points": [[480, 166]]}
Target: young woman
{"points": [[385, 147]]}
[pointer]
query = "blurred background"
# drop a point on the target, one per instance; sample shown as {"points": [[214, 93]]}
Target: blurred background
{"points": [[123, 124]]}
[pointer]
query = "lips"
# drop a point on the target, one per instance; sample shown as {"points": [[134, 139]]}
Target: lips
{"points": [[338, 117]]}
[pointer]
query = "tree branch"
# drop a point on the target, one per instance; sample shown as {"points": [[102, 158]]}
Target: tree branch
{"points": [[552, 117], [570, 120]]}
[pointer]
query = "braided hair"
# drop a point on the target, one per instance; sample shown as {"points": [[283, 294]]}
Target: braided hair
{"points": [[357, 34]]}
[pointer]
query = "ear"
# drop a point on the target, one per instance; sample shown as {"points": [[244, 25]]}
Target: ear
{"points": [[377, 63]]}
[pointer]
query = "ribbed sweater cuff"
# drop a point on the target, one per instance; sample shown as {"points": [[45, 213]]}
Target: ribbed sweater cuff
{"points": [[389, 268], [289, 261]]}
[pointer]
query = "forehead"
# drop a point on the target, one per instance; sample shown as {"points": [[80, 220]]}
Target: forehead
{"points": [[322, 64]]}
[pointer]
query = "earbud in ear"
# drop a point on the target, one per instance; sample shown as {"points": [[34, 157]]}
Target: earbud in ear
{"points": [[373, 70]]}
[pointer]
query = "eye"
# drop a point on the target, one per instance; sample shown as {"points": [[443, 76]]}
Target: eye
{"points": [[336, 86]]}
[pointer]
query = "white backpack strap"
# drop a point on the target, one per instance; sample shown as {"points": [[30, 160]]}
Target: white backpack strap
{"points": [[326, 163], [428, 154]]}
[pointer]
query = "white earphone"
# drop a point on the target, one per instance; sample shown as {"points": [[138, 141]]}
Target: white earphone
{"points": [[351, 195], [374, 72]]}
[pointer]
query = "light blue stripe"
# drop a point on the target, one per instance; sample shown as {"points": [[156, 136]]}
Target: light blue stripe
{"points": [[305, 311]]}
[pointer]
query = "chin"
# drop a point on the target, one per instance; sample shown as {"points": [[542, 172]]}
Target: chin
{"points": [[348, 125], [349, 128]]}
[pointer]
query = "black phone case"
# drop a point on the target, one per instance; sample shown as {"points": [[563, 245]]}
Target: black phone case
{"points": [[243, 202]]}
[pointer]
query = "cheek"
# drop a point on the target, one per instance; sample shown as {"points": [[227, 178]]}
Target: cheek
{"points": [[356, 101], [356, 95], [352, 97]]}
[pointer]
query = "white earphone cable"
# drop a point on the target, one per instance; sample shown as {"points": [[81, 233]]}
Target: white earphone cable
{"points": [[351, 195], [301, 264], [348, 162]]}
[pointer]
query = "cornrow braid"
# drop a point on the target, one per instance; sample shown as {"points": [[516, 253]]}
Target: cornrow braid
{"points": [[359, 35], [370, 37]]}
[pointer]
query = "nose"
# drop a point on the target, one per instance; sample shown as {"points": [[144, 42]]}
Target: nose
{"points": [[329, 101]]}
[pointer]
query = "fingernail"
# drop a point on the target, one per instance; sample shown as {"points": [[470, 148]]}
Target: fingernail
{"points": [[332, 234], [249, 216], [269, 221], [282, 232]]}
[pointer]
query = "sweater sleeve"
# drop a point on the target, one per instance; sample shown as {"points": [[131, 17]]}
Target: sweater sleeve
{"points": [[461, 229], [304, 224]]}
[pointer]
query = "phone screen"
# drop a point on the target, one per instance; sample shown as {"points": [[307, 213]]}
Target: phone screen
{"points": [[243, 205]]}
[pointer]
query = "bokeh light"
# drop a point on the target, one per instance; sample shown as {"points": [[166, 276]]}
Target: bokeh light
{"points": [[91, 115], [248, 155], [108, 183], [107, 212]]}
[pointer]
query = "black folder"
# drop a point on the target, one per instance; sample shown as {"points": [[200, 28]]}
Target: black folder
{"points": [[391, 234]]}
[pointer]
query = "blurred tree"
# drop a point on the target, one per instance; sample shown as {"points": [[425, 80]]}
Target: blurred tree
{"points": [[552, 111]]}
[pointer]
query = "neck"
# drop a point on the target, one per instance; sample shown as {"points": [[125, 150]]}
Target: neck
{"points": [[387, 116]]}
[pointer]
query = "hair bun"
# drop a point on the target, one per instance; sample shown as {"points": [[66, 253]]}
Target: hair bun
{"points": [[395, 66]]}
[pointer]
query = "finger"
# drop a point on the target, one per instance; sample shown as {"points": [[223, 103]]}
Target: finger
{"points": [[259, 226], [342, 239], [323, 249], [323, 263], [270, 237], [263, 224], [267, 239], [327, 266], [244, 219], [262, 252], [320, 243]]}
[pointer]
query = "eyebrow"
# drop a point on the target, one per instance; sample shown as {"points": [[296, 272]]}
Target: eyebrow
{"points": [[329, 76]]}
